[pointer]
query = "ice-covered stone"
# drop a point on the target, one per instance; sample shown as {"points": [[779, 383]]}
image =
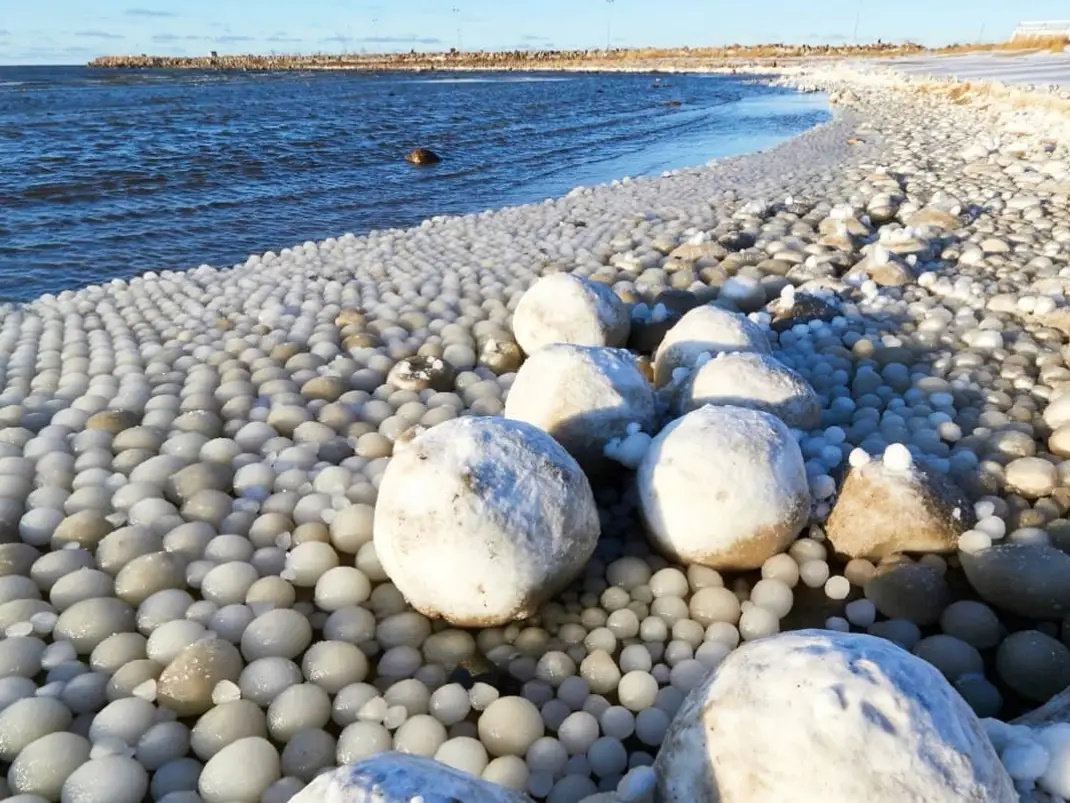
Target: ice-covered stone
{"points": [[882, 266], [481, 519], [705, 330], [584, 396], [838, 699], [756, 381], [563, 308], [883, 510], [724, 487], [400, 778]]}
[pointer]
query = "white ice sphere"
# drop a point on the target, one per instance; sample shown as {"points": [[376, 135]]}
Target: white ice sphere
{"points": [[630, 450], [563, 308], [897, 458], [756, 381], [399, 778], [702, 331], [724, 487], [1056, 740], [481, 519], [838, 699], [584, 396]]}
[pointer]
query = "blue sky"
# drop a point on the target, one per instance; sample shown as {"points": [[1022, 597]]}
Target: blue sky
{"points": [[73, 31]]}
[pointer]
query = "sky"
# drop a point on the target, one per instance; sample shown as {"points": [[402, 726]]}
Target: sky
{"points": [[75, 31]]}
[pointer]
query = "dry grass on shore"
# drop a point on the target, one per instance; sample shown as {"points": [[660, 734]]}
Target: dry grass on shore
{"points": [[1014, 47]]}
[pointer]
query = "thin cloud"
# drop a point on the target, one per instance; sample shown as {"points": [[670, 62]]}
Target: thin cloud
{"points": [[535, 38], [170, 37], [148, 12], [281, 37], [233, 38], [5, 33], [399, 40], [97, 35]]}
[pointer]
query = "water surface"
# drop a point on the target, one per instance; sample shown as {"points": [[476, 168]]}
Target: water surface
{"points": [[108, 174]]}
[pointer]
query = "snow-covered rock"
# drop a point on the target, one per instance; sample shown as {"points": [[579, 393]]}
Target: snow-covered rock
{"points": [[833, 717], [756, 381], [401, 778], [882, 266], [584, 396], [886, 507], [705, 330], [422, 373], [479, 520], [724, 487], [563, 308]]}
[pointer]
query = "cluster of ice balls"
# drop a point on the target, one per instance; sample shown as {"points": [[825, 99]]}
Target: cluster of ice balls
{"points": [[1037, 758], [132, 413]]}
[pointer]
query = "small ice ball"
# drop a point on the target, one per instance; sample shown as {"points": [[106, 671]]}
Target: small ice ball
{"points": [[579, 731], [509, 726], [1025, 760], [861, 613], [858, 458], [837, 587], [773, 595], [757, 622], [973, 541], [897, 458]]}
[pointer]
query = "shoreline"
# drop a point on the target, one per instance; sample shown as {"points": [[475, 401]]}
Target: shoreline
{"points": [[558, 193], [237, 424]]}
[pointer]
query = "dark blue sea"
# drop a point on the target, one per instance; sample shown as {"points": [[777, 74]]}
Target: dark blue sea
{"points": [[108, 174]]}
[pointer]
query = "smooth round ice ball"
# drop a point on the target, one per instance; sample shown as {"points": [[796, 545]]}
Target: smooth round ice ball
{"points": [[583, 396], [756, 381], [109, 779], [44, 765], [563, 308], [481, 519], [241, 771], [838, 699], [724, 487], [702, 331], [509, 726]]}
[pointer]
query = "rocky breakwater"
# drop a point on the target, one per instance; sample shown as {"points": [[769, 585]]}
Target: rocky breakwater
{"points": [[522, 505], [616, 59]]}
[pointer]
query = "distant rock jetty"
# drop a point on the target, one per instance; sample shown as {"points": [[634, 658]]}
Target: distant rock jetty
{"points": [[507, 60]]}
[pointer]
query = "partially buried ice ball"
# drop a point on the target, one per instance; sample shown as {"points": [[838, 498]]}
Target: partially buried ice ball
{"points": [[481, 519], [834, 717], [724, 487], [584, 396], [562, 308], [705, 330]]}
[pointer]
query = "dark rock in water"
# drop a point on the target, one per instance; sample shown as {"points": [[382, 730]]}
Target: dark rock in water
{"points": [[423, 156], [671, 103]]}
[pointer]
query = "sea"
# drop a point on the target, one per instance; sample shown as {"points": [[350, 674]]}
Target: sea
{"points": [[107, 174]]}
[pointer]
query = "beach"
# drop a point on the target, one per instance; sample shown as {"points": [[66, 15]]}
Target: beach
{"points": [[229, 534]]}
